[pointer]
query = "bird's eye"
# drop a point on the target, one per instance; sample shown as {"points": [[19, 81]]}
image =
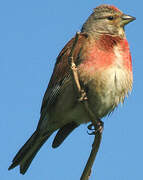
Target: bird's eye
{"points": [[110, 18]]}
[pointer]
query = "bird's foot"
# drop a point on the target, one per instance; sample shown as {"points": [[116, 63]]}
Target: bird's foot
{"points": [[95, 128]]}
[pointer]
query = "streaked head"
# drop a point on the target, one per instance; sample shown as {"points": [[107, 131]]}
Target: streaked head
{"points": [[107, 19]]}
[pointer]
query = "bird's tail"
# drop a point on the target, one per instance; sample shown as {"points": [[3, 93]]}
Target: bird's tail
{"points": [[28, 151]]}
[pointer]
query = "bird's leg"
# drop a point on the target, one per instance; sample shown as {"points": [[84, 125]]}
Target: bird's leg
{"points": [[98, 127]]}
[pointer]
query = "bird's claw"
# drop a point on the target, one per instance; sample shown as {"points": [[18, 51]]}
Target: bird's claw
{"points": [[95, 129], [91, 127]]}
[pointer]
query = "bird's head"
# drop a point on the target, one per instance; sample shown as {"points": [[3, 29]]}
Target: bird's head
{"points": [[107, 19]]}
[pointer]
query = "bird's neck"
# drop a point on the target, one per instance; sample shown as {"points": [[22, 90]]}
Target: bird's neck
{"points": [[107, 42]]}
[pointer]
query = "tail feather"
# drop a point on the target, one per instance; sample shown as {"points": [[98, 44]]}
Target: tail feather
{"points": [[28, 151], [63, 133]]}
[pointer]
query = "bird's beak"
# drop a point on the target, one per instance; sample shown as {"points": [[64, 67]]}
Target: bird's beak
{"points": [[125, 19]]}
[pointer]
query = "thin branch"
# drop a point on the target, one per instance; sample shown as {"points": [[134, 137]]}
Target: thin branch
{"points": [[98, 125], [95, 146], [73, 66]]}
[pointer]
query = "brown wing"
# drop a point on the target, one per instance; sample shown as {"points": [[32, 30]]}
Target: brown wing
{"points": [[61, 71]]}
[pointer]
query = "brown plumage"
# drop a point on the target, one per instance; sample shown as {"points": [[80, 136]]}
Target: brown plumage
{"points": [[104, 67]]}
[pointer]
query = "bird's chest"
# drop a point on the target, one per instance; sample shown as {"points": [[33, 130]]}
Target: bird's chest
{"points": [[107, 79]]}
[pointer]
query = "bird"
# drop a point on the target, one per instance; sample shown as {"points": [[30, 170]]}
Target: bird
{"points": [[104, 67]]}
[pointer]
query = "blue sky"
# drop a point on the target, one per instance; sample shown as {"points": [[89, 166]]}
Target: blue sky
{"points": [[32, 33]]}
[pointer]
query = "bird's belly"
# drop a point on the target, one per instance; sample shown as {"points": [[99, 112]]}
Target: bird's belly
{"points": [[108, 89], [104, 104]]}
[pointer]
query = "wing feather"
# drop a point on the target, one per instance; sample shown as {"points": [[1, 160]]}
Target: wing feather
{"points": [[61, 72]]}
